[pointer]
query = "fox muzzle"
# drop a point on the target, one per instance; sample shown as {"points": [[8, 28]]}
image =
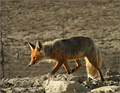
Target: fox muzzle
{"points": [[31, 63]]}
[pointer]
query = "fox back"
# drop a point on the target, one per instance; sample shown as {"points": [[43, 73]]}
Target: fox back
{"points": [[72, 48]]}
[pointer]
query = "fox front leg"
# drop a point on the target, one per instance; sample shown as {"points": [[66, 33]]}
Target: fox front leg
{"points": [[67, 68], [56, 67]]}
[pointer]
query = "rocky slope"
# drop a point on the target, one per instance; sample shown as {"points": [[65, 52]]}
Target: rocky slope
{"points": [[61, 83]]}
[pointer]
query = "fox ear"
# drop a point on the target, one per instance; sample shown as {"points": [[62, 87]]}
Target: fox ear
{"points": [[38, 45], [31, 46]]}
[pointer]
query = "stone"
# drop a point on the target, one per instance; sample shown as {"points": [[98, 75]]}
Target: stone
{"points": [[63, 87], [107, 89]]}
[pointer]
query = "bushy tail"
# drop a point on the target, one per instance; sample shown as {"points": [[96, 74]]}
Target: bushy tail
{"points": [[96, 59]]}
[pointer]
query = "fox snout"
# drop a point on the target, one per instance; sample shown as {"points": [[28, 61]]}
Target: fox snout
{"points": [[31, 63]]}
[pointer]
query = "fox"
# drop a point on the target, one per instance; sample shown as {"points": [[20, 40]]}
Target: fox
{"points": [[71, 48]]}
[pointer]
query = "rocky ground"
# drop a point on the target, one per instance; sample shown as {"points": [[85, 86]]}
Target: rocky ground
{"points": [[61, 83]]}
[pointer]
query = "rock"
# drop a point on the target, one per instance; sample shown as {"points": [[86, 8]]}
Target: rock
{"points": [[6, 90], [107, 89], [21, 82], [72, 77], [22, 90], [18, 90], [94, 84], [37, 83], [88, 84], [63, 87], [36, 90]]}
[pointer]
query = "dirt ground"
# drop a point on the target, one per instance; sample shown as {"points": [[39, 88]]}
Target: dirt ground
{"points": [[29, 21]]}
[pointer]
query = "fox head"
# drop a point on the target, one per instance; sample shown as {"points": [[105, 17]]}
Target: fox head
{"points": [[37, 53]]}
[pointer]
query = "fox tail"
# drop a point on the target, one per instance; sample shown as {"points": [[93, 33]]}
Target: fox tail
{"points": [[96, 57]]}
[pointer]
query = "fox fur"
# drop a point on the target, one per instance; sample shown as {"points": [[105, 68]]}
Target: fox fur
{"points": [[72, 48]]}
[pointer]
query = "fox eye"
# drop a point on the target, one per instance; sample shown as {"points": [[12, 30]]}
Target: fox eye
{"points": [[34, 58]]}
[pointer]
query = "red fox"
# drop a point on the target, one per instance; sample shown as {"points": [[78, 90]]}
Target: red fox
{"points": [[71, 48]]}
